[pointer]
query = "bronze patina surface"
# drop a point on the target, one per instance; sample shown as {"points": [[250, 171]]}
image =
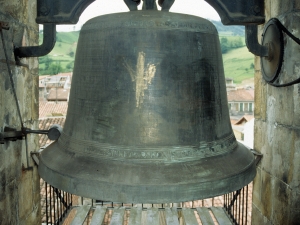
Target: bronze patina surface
{"points": [[148, 120]]}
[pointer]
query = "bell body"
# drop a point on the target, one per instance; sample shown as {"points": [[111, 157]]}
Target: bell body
{"points": [[148, 120]]}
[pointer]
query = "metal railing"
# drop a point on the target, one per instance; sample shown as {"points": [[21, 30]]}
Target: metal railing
{"points": [[55, 204], [237, 204]]}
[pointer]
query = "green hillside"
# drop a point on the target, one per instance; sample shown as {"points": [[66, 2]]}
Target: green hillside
{"points": [[238, 62], [61, 58]]}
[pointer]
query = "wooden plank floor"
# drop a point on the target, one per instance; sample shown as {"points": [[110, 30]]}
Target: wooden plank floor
{"points": [[101, 215]]}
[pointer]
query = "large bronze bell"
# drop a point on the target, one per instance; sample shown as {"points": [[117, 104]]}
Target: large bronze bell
{"points": [[148, 119]]}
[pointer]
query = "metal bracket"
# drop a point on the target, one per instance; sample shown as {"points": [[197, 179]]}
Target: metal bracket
{"points": [[239, 12], [60, 12], [35, 157], [132, 5], [11, 134], [49, 39], [252, 42], [52, 12], [271, 50], [258, 156], [232, 12], [165, 4]]}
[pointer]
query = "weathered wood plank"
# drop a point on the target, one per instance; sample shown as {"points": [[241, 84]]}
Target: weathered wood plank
{"points": [[171, 216], [98, 215], [189, 216], [221, 216], [205, 216], [152, 216], [81, 214], [117, 216], [135, 217]]}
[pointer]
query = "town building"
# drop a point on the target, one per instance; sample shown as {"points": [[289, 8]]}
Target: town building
{"points": [[55, 87], [241, 101]]}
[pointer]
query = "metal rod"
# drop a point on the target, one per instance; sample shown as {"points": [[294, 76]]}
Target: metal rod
{"points": [[239, 208], [57, 208], [233, 204], [65, 208], [53, 199], [246, 201], [67, 199], [46, 192], [28, 131], [243, 204], [11, 79], [57, 205], [60, 197], [50, 204]]}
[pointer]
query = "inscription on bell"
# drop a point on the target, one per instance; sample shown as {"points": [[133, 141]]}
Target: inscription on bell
{"points": [[161, 153]]}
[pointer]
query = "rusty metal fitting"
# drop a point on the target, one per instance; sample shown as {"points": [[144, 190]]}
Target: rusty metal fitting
{"points": [[4, 25]]}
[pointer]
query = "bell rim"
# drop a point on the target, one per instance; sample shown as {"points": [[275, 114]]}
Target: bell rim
{"points": [[150, 193]]}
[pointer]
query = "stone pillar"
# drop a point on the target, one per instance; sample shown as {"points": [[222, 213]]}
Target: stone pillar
{"points": [[19, 185], [276, 193]]}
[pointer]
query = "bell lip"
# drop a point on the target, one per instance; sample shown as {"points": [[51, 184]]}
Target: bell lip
{"points": [[148, 193]]}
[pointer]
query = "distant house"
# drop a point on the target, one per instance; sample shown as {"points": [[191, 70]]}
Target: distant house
{"points": [[58, 94], [240, 101], [58, 82], [230, 86], [243, 130]]}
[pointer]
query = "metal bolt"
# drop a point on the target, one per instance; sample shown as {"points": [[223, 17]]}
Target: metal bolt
{"points": [[256, 9], [44, 10], [4, 25]]}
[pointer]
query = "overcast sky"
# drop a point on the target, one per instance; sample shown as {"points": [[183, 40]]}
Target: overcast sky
{"points": [[100, 7]]}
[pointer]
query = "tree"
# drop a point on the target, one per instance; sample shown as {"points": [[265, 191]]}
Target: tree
{"points": [[55, 68], [71, 54], [224, 44], [70, 66], [45, 60]]}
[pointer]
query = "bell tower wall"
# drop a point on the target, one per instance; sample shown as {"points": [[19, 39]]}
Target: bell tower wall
{"points": [[276, 194], [19, 185]]}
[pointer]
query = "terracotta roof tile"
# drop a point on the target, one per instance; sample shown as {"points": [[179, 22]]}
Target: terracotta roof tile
{"points": [[244, 119], [240, 95], [59, 94], [50, 109]]}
